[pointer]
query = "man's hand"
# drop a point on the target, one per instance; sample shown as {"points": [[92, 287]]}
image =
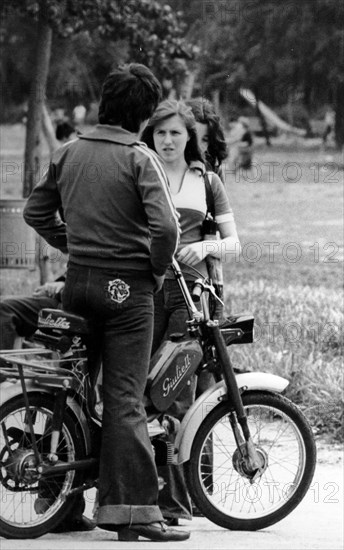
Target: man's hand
{"points": [[49, 289], [159, 281]]}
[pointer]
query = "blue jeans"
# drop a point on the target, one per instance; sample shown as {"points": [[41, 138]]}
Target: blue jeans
{"points": [[119, 306]]}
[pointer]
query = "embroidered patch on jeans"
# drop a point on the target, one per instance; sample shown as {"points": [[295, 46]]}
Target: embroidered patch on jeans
{"points": [[118, 290]]}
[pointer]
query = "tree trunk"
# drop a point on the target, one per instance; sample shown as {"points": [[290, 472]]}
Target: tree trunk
{"points": [[215, 97], [43, 260], [48, 130], [36, 100], [339, 110]]}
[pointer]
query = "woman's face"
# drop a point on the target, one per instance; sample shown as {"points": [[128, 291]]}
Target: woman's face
{"points": [[170, 138], [202, 136]]}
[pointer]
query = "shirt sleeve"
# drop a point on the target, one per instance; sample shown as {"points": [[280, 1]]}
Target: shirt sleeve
{"points": [[223, 209], [221, 173], [161, 214], [41, 211]]}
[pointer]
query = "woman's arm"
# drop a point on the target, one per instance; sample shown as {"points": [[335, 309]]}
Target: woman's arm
{"points": [[227, 246], [225, 249]]}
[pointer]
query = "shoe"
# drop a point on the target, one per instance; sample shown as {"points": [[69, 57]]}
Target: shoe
{"points": [[70, 525], [153, 531]]}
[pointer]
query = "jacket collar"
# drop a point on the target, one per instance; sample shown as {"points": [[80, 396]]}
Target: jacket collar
{"points": [[116, 134]]}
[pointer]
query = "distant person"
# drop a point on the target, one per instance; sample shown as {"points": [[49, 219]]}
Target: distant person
{"points": [[59, 115], [241, 142], [246, 137], [79, 114], [64, 132], [329, 124]]}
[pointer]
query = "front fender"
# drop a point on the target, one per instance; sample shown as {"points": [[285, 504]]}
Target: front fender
{"points": [[211, 397], [9, 390]]}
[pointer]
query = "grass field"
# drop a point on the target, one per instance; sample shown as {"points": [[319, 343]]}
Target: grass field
{"points": [[289, 214], [290, 274]]}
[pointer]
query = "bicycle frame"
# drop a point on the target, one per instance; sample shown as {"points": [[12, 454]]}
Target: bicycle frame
{"points": [[39, 369], [51, 394], [54, 373]]}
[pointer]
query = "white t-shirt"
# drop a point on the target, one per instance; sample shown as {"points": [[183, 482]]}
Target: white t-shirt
{"points": [[191, 204]]}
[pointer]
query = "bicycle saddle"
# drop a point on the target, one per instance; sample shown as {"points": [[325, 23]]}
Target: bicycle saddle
{"points": [[62, 320]]}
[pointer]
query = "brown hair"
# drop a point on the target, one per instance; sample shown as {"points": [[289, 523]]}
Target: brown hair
{"points": [[167, 109]]}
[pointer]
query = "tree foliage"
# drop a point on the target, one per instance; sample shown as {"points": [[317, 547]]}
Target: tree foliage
{"points": [[287, 52], [153, 31], [154, 35]]}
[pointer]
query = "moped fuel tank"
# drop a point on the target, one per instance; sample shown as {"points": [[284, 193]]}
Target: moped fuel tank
{"points": [[171, 367]]}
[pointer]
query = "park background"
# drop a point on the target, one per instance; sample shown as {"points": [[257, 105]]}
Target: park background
{"points": [[288, 206]]}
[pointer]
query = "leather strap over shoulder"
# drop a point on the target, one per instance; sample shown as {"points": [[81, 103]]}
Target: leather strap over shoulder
{"points": [[209, 195]]}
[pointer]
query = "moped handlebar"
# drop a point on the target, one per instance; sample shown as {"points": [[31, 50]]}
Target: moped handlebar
{"points": [[193, 311], [197, 291], [200, 285]]}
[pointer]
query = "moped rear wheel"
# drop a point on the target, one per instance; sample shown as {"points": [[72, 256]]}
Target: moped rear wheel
{"points": [[32, 506], [218, 482]]}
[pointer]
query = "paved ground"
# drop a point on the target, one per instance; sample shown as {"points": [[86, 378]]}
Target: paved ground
{"points": [[317, 523]]}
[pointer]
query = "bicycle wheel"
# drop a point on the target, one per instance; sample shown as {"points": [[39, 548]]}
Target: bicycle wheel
{"points": [[218, 482], [32, 505]]}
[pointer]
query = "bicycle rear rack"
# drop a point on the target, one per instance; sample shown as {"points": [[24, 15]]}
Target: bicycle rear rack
{"points": [[39, 364]]}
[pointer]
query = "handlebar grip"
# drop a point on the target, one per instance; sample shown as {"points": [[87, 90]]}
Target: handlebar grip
{"points": [[196, 293]]}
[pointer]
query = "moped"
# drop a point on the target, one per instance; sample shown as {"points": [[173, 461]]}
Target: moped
{"points": [[248, 452]]}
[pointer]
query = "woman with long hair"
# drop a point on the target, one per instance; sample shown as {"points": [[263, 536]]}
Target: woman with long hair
{"points": [[172, 134], [213, 145], [211, 137]]}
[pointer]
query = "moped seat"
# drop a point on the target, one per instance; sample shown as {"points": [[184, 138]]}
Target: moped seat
{"points": [[57, 319]]}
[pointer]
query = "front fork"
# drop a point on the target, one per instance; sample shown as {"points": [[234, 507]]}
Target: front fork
{"points": [[245, 444]]}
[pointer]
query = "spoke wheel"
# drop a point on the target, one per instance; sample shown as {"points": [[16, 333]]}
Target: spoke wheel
{"points": [[218, 481], [31, 505]]}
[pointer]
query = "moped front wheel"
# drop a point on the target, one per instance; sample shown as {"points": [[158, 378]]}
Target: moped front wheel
{"points": [[32, 505], [224, 490]]}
